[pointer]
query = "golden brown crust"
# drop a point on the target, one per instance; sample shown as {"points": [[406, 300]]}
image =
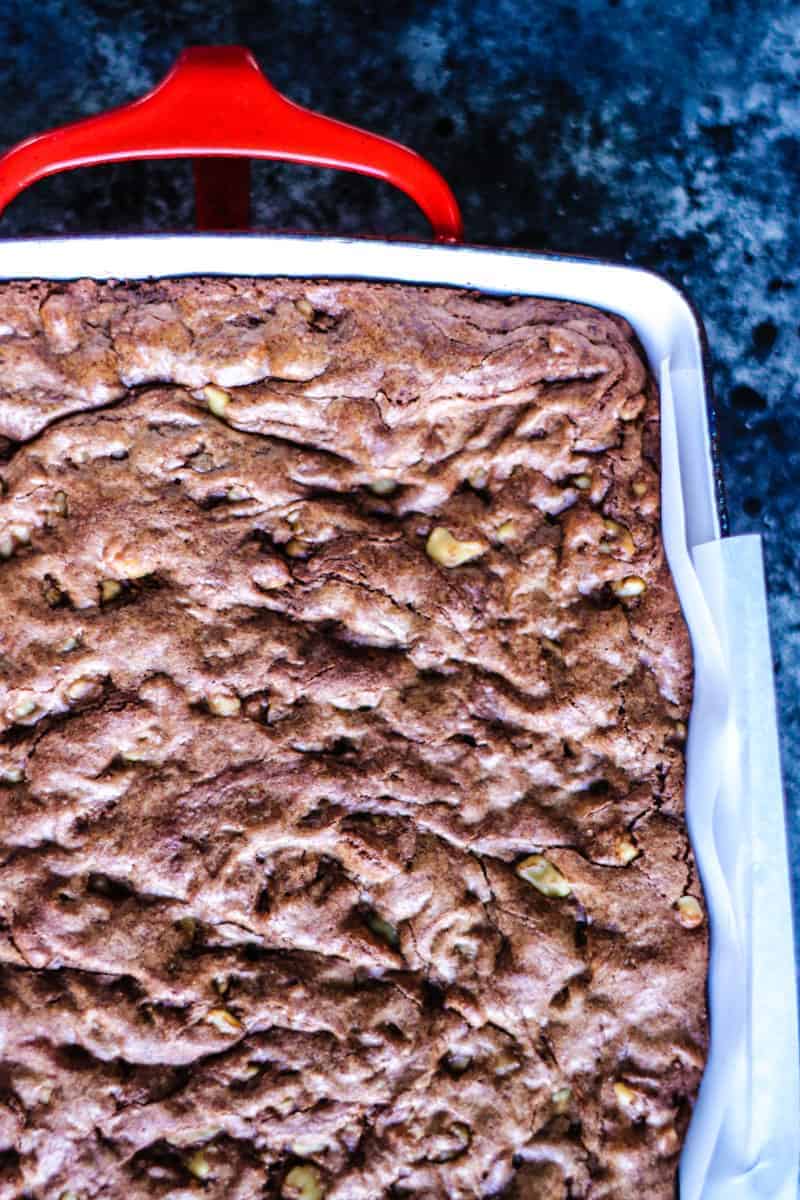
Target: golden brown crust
{"points": [[325, 606]]}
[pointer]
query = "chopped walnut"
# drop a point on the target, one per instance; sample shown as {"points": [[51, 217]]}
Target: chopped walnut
{"points": [[217, 398], [690, 914], [224, 1021], [544, 876], [303, 1183], [224, 704], [448, 551]]}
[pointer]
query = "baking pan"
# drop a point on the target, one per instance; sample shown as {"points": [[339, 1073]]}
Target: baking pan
{"points": [[218, 109]]}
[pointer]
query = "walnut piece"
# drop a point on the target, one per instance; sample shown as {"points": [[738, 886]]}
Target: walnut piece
{"points": [[109, 590], [448, 551], [544, 876], [626, 850], [224, 1021], [198, 1165], [217, 399], [383, 487], [223, 704], [690, 914], [84, 688], [617, 539], [631, 585], [303, 1183]]}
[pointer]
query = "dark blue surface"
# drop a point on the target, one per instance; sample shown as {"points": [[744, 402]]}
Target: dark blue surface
{"points": [[667, 135]]}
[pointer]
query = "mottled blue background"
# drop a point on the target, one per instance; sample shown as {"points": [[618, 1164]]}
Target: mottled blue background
{"points": [[665, 134]]}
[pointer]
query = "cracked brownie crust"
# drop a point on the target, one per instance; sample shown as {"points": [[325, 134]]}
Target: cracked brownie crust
{"points": [[343, 691]]}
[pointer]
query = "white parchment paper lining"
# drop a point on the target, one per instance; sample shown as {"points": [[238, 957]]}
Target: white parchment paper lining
{"points": [[743, 1137]]}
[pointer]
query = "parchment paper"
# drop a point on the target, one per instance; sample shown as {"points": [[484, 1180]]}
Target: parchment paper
{"points": [[744, 1137]]}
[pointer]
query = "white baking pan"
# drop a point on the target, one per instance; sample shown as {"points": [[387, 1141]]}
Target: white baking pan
{"points": [[744, 1135]]}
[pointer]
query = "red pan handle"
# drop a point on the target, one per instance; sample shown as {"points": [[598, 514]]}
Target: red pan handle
{"points": [[216, 107]]}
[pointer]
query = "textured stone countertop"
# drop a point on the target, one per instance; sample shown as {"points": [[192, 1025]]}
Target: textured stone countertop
{"points": [[666, 136]]}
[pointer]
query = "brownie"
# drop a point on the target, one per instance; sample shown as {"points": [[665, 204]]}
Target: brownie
{"points": [[343, 699]]}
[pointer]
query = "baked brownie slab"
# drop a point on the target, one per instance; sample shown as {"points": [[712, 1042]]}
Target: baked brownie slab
{"points": [[343, 690]]}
